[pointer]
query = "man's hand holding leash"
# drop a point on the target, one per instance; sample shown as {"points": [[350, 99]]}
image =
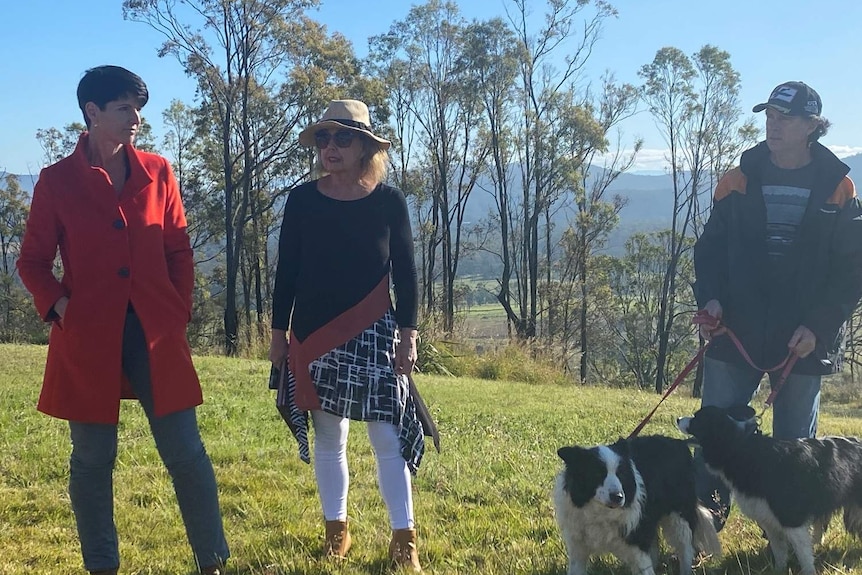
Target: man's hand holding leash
{"points": [[709, 330], [802, 342]]}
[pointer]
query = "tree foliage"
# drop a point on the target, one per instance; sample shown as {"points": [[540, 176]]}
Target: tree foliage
{"points": [[18, 318], [264, 70], [694, 101], [500, 107]]}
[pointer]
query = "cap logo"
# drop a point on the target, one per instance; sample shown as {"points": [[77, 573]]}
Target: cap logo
{"points": [[811, 107], [784, 93]]}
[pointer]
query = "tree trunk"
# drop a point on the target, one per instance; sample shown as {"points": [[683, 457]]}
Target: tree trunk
{"points": [[583, 282]]}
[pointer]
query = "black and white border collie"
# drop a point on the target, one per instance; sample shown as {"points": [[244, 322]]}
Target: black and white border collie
{"points": [[786, 486], [613, 498]]}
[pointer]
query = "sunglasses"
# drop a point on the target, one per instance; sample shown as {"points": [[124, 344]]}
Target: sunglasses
{"points": [[343, 138]]}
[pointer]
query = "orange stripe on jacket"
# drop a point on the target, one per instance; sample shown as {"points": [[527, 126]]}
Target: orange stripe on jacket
{"points": [[844, 192], [335, 333], [732, 181]]}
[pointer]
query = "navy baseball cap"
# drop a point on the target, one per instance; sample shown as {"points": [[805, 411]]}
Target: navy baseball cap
{"points": [[793, 99]]}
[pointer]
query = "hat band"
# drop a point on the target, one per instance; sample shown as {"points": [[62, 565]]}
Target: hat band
{"points": [[352, 124]]}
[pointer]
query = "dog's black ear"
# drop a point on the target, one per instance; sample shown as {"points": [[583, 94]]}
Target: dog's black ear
{"points": [[570, 453], [684, 423], [621, 446], [741, 412], [709, 412], [745, 418]]}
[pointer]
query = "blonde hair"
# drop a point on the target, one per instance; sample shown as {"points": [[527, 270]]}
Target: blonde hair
{"points": [[374, 161]]}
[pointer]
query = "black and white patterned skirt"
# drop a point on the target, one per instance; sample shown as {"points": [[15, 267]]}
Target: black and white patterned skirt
{"points": [[357, 380]]}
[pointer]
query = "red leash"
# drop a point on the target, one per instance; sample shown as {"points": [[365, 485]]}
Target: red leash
{"points": [[685, 371], [703, 318], [786, 365]]}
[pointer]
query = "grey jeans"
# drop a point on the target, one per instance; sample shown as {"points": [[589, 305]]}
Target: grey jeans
{"points": [[94, 451]]}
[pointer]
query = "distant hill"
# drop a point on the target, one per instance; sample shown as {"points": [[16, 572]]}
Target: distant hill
{"points": [[648, 198], [649, 201], [855, 163]]}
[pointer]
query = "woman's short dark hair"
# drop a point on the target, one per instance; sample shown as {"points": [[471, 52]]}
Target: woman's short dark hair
{"points": [[104, 84]]}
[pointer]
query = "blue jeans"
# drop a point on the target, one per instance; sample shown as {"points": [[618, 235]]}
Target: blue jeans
{"points": [[794, 415], [94, 451]]}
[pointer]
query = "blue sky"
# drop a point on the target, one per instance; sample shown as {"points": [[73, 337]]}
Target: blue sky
{"points": [[47, 44]]}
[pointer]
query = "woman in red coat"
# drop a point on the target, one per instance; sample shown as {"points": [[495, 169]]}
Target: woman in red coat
{"points": [[119, 315]]}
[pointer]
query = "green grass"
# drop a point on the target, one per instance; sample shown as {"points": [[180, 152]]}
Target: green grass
{"points": [[482, 506]]}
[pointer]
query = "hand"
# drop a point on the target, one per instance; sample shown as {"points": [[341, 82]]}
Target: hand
{"points": [[712, 308], [803, 341], [405, 352], [60, 306], [278, 347]]}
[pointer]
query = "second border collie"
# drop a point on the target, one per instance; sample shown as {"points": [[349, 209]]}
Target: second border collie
{"points": [[613, 498], [786, 486]]}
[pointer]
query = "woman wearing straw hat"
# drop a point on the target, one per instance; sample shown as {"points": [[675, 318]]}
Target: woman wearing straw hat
{"points": [[344, 237]]}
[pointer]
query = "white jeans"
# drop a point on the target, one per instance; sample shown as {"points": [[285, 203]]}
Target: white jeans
{"points": [[330, 468]]}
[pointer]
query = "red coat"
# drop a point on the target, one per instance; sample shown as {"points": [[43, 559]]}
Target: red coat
{"points": [[132, 247]]}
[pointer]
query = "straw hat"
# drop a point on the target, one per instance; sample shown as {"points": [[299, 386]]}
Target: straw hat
{"points": [[350, 114]]}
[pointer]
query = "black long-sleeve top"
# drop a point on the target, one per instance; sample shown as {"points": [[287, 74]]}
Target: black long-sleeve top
{"points": [[333, 253]]}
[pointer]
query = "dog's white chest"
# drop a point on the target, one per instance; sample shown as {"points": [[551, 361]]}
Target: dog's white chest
{"points": [[596, 528]]}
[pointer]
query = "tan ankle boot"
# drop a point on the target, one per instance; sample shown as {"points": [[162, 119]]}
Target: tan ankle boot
{"points": [[403, 551], [338, 541]]}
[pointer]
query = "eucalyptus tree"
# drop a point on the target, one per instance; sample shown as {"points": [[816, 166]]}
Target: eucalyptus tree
{"points": [[491, 58], [183, 145], [570, 30], [720, 133], [263, 69], [409, 167], [601, 163], [578, 135], [636, 283], [429, 42], [56, 144], [694, 102], [13, 216]]}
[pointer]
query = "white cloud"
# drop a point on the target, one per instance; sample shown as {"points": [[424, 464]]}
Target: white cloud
{"points": [[655, 160], [649, 160], [844, 151], [652, 160]]}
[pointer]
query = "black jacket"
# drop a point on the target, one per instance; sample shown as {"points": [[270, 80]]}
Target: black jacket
{"points": [[731, 265]]}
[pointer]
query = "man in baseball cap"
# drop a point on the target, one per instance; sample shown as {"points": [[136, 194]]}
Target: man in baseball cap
{"points": [[779, 263]]}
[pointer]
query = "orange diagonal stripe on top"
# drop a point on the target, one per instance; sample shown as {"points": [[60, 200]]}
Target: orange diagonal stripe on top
{"points": [[335, 333]]}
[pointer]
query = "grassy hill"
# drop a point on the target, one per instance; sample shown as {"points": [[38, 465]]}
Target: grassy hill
{"points": [[482, 505]]}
